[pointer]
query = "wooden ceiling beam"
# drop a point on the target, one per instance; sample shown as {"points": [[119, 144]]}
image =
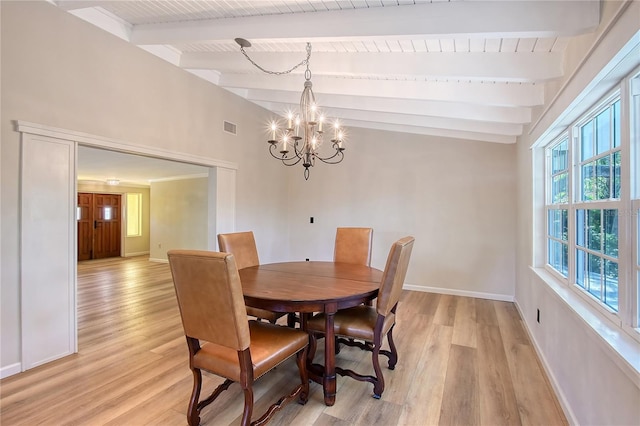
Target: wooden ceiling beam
{"points": [[497, 19]]}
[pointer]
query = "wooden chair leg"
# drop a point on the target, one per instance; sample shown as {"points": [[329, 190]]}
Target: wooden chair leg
{"points": [[248, 406], [378, 386], [313, 344], [393, 358], [193, 413], [291, 320], [301, 360]]}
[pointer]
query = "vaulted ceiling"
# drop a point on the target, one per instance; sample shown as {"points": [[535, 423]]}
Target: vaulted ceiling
{"points": [[466, 69]]}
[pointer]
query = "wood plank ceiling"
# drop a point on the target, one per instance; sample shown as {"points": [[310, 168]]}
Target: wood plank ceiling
{"points": [[465, 69]]}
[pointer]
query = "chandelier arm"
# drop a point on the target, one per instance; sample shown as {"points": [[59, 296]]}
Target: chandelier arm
{"points": [[295, 149], [326, 160], [284, 160], [303, 62]]}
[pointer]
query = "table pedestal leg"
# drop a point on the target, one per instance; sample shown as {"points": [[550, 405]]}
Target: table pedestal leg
{"points": [[329, 380]]}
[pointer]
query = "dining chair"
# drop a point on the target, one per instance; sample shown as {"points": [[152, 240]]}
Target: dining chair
{"points": [[220, 338], [370, 324], [353, 245], [243, 246]]}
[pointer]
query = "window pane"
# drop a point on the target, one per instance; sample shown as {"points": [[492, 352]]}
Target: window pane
{"points": [[603, 178], [593, 276], [588, 229], [107, 213], [588, 181], [611, 232], [581, 270], [559, 188], [559, 157], [586, 141], [616, 124], [594, 230], [558, 224], [603, 136], [580, 228], [616, 175], [611, 284], [558, 257]]}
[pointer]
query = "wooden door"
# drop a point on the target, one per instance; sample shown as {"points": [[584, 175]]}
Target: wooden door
{"points": [[99, 225], [85, 226]]}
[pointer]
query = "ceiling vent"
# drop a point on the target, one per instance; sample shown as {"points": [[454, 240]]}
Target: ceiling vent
{"points": [[229, 127]]}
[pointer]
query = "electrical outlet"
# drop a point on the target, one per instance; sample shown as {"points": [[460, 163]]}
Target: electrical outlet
{"points": [[311, 219], [159, 245], [538, 316]]}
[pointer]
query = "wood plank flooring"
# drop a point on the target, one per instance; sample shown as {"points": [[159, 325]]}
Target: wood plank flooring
{"points": [[462, 361]]}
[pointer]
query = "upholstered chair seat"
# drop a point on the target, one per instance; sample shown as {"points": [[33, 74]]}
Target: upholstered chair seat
{"points": [[358, 322]]}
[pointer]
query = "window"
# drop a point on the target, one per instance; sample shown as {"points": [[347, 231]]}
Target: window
{"points": [[634, 90], [134, 214], [591, 182], [557, 213]]}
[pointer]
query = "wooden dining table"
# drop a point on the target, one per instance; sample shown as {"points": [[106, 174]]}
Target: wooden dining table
{"points": [[308, 287]]}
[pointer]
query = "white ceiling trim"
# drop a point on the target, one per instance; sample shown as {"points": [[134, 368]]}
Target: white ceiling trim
{"points": [[491, 19], [445, 133], [361, 116], [500, 67], [495, 114], [497, 94]]}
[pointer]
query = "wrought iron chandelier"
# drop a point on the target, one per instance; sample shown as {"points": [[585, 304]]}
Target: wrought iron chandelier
{"points": [[301, 139]]}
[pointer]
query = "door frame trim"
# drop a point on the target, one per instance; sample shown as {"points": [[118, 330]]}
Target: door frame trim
{"points": [[87, 139], [80, 138]]}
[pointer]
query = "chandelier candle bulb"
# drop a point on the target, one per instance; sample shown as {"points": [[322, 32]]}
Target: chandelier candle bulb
{"points": [[320, 123], [273, 131]]}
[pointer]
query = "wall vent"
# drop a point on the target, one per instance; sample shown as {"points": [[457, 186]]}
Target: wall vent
{"points": [[229, 127]]}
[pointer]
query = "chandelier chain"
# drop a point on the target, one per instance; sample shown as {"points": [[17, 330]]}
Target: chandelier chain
{"points": [[303, 62]]}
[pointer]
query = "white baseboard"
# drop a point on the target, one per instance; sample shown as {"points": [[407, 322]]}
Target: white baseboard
{"points": [[455, 292], [141, 253], [158, 260], [10, 370]]}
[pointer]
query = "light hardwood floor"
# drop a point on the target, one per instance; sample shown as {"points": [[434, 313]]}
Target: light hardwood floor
{"points": [[462, 361]]}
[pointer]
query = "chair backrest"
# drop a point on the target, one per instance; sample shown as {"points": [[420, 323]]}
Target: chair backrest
{"points": [[242, 245], [393, 276], [210, 297], [353, 245]]}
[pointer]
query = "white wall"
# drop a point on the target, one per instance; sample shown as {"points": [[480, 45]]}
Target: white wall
{"points": [[594, 383], [179, 220], [60, 71], [456, 197]]}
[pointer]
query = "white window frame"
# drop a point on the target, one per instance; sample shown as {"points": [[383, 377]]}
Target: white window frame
{"points": [[550, 205], [628, 206]]}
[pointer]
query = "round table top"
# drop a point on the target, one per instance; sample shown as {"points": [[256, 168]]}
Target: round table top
{"points": [[308, 286]]}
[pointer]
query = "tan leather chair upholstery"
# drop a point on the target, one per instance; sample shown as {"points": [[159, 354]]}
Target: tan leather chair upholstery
{"points": [[220, 338], [369, 323], [243, 246], [353, 245]]}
